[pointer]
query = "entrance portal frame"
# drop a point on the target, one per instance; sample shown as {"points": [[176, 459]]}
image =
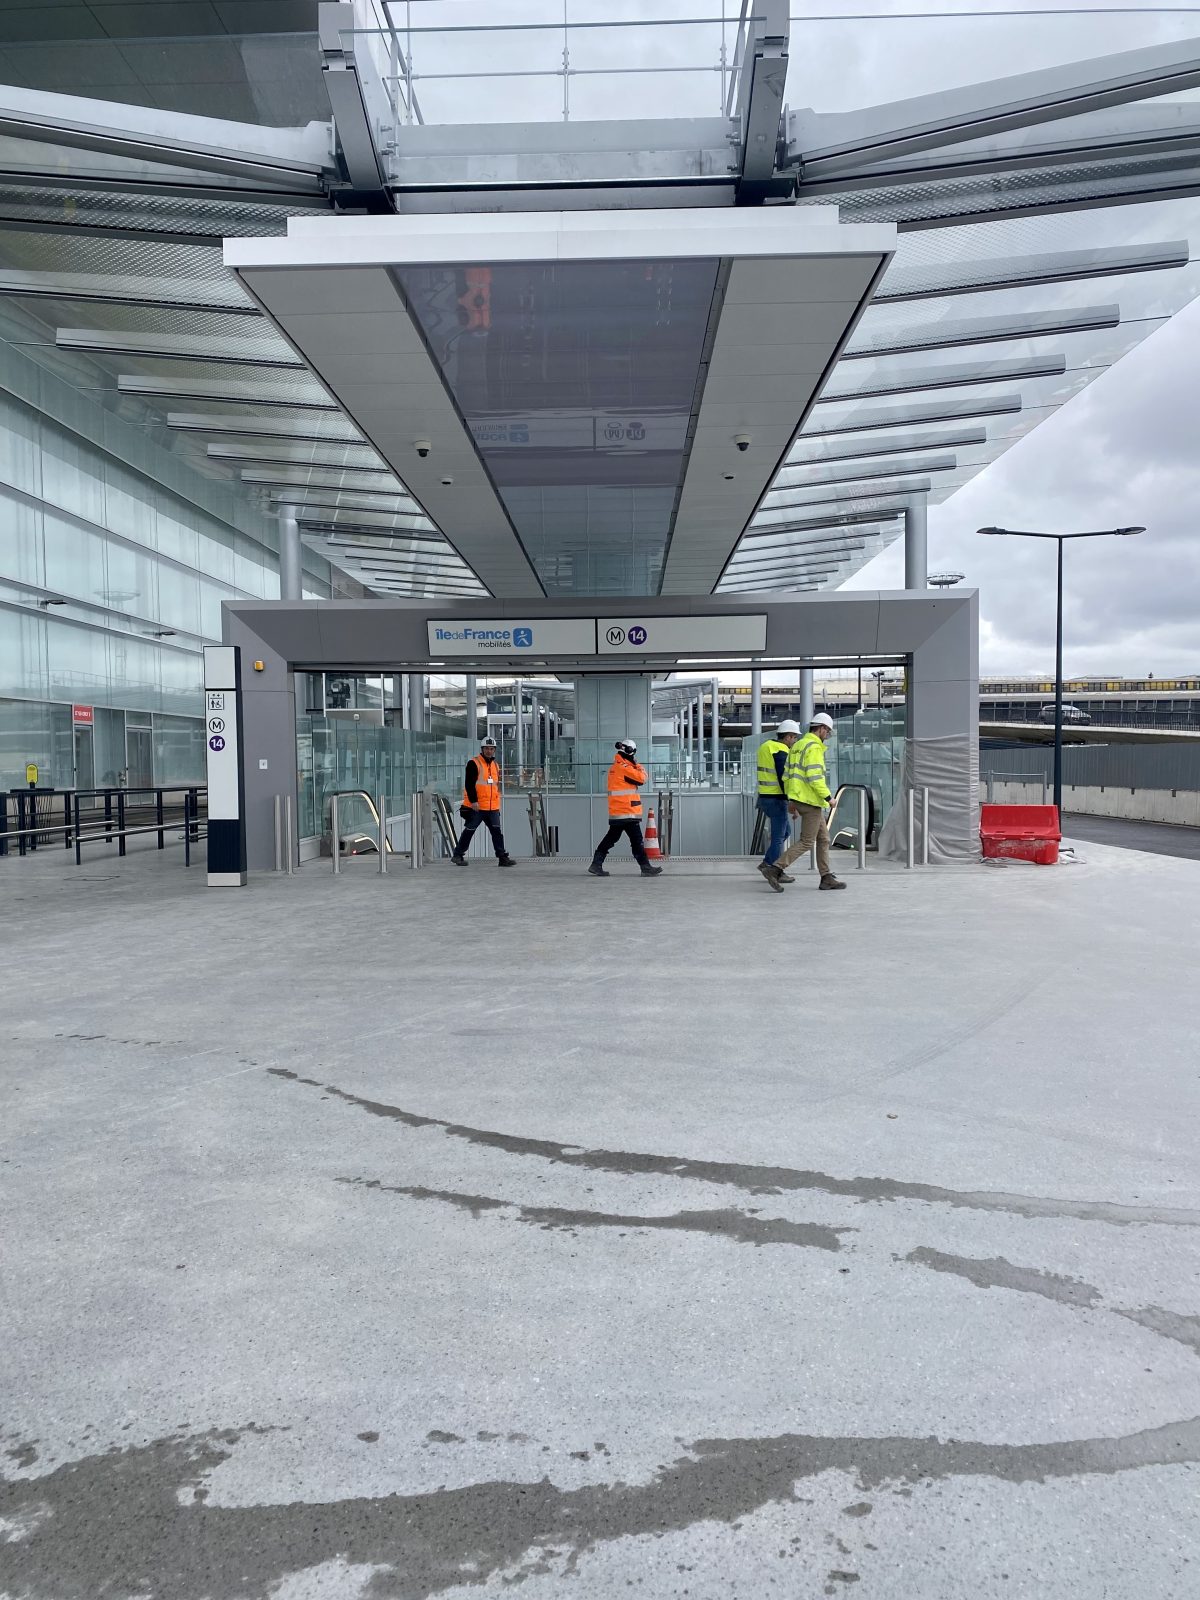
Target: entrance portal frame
{"points": [[934, 636]]}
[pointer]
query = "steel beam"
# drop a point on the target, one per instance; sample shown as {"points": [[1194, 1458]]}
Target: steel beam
{"points": [[840, 473], [173, 347], [986, 330], [1019, 272], [762, 77], [950, 377], [867, 449], [848, 142], [299, 159], [212, 389], [935, 411], [363, 112]]}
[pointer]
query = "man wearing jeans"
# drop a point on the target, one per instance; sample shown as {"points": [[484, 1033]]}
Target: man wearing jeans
{"points": [[808, 798], [772, 799]]}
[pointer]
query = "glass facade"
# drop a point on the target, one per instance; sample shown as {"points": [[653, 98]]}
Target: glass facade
{"points": [[111, 581]]}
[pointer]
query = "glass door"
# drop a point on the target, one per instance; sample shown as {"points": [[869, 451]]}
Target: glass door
{"points": [[139, 758], [85, 761]]}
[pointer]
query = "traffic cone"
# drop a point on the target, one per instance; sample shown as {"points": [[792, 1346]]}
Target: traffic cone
{"points": [[651, 840]]}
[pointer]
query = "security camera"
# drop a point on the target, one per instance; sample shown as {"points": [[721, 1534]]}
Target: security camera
{"points": [[742, 440], [422, 447]]}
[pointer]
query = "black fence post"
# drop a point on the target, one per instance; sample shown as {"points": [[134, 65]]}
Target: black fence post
{"points": [[3, 824], [108, 816], [120, 822], [67, 819], [158, 815], [187, 828]]}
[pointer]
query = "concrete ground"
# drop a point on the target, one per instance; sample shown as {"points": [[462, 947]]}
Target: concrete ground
{"points": [[1158, 838], [436, 1234]]}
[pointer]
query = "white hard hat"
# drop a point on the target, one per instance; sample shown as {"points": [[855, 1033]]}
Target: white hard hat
{"points": [[788, 726], [822, 720]]}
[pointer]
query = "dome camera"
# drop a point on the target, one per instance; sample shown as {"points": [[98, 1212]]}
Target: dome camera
{"points": [[742, 440], [422, 447]]}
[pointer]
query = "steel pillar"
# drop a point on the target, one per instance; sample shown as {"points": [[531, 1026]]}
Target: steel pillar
{"points": [[714, 776], [291, 586], [806, 697], [916, 542], [472, 707], [756, 704]]}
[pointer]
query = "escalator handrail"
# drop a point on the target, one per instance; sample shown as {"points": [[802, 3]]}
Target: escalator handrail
{"points": [[842, 789]]}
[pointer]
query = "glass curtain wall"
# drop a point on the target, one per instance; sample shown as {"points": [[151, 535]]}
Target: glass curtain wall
{"points": [[109, 587]]}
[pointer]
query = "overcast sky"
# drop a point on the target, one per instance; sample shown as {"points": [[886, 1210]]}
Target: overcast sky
{"points": [[1121, 453]]}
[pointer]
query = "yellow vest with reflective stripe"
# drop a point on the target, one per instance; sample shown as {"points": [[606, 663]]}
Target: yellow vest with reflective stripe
{"points": [[804, 780], [768, 778]]}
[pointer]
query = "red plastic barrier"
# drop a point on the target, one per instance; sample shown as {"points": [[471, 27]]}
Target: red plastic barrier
{"points": [[1020, 833]]}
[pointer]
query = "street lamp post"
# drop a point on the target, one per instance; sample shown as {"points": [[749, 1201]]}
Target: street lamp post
{"points": [[1060, 539]]}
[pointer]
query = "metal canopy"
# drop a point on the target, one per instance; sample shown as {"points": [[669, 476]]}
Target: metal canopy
{"points": [[1060, 205], [602, 407]]}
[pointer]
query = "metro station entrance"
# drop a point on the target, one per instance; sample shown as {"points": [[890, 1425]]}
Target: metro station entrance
{"points": [[389, 736], [378, 697]]}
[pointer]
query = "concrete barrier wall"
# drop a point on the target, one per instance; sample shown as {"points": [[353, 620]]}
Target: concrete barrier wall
{"points": [[1135, 805]]}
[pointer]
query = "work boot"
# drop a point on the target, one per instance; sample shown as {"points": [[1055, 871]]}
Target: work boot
{"points": [[459, 861], [773, 876], [505, 861], [651, 872], [784, 877], [828, 881], [597, 871]]}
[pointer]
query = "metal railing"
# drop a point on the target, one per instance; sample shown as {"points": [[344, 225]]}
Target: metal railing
{"points": [[409, 51], [114, 815], [122, 822]]}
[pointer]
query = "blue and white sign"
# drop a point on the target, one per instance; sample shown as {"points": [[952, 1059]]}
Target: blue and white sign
{"points": [[485, 637]]}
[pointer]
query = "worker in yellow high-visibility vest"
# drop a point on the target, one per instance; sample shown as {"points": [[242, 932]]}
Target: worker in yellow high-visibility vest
{"points": [[808, 796], [773, 755]]}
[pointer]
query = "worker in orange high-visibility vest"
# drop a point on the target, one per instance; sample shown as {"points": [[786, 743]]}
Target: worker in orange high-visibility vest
{"points": [[625, 779], [481, 803]]}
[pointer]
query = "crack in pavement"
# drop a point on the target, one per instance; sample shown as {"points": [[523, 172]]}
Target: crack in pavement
{"points": [[122, 1522], [723, 1224], [761, 1180]]}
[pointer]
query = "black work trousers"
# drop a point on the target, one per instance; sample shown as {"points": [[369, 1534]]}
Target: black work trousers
{"points": [[492, 819], [631, 827]]}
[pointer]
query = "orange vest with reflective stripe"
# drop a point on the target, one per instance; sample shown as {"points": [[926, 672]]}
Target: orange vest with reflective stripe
{"points": [[487, 785], [623, 798]]}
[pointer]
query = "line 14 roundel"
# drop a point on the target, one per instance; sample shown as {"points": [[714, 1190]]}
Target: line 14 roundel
{"points": [[637, 635]]}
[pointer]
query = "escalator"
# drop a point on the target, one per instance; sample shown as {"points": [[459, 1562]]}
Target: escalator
{"points": [[358, 824], [845, 817]]}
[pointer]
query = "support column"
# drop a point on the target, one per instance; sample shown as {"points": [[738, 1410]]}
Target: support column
{"points": [[916, 542], [756, 705], [416, 702], [700, 734], [519, 724], [806, 697], [472, 707], [290, 581], [609, 707], [714, 776]]}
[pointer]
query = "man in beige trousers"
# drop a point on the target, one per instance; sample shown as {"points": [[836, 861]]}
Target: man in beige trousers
{"points": [[807, 790]]}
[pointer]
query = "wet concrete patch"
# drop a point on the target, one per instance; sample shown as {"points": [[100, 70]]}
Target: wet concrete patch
{"points": [[124, 1522], [762, 1180], [724, 1224], [997, 1273]]}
